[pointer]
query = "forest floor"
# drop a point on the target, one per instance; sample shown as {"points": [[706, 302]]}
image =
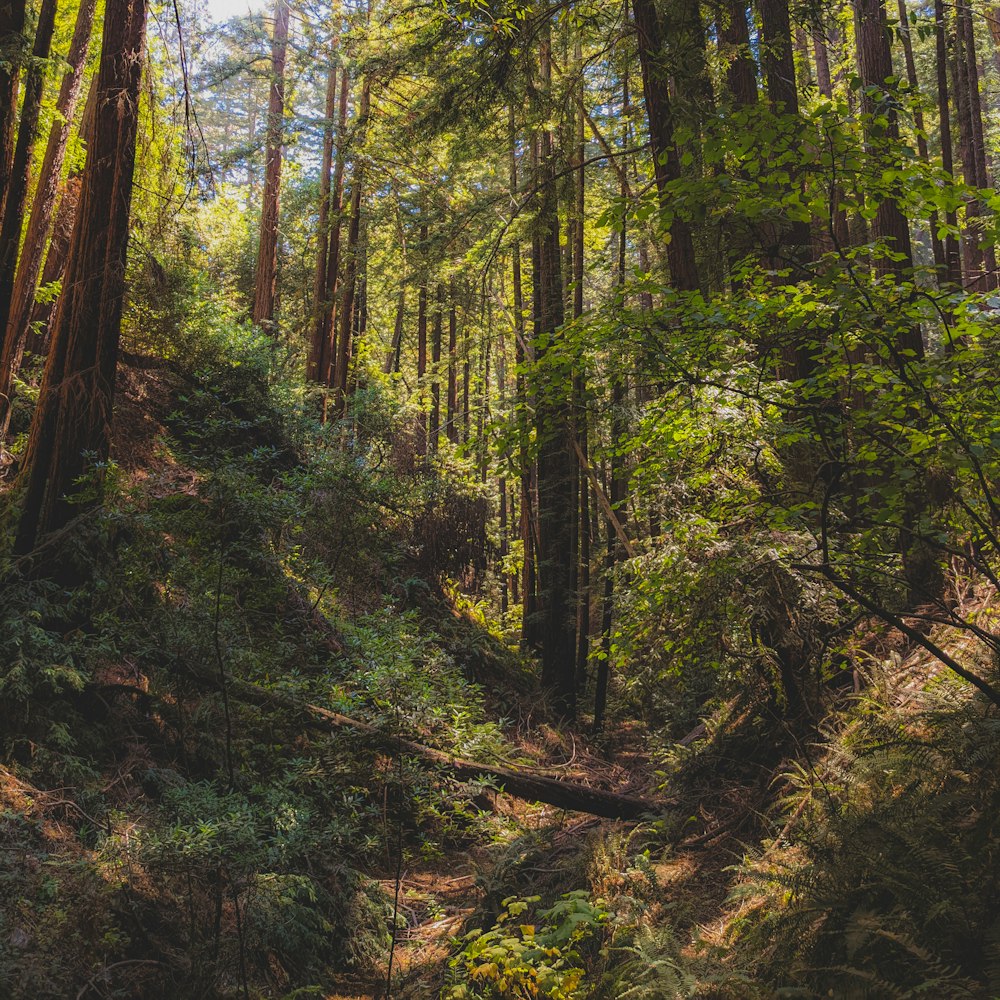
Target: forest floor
{"points": [[440, 898]]}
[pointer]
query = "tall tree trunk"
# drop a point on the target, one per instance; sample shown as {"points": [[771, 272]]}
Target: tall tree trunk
{"points": [[20, 175], [321, 291], [937, 246], [72, 422], [62, 233], [666, 161], [43, 210], [952, 272], [875, 65], [393, 358], [779, 78], [824, 82], [553, 428], [352, 264], [741, 70], [422, 341], [12, 44], [582, 428], [618, 492], [790, 241], [328, 346], [435, 431], [521, 353], [980, 261], [265, 287], [55, 265], [466, 386], [452, 419]]}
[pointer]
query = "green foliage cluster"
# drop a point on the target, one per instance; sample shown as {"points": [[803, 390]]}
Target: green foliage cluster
{"points": [[209, 837], [883, 881]]}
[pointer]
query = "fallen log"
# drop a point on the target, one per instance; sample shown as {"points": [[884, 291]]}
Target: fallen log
{"points": [[570, 795]]}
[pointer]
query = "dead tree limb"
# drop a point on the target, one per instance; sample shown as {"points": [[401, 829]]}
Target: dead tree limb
{"points": [[569, 795]]}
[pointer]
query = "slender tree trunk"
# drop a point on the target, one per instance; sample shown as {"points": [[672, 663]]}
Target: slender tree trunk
{"points": [[582, 428], [952, 272], [741, 69], [72, 422], [422, 341], [618, 493], [980, 261], [328, 353], [12, 43], [553, 427], [55, 265], [666, 161], [438, 334], [321, 291], [42, 211], [824, 82], [452, 418], [875, 65], [466, 388], [392, 361], [265, 287], [937, 245], [17, 191], [521, 353], [351, 264]]}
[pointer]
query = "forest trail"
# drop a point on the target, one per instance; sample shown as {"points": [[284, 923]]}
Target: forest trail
{"points": [[540, 846]]}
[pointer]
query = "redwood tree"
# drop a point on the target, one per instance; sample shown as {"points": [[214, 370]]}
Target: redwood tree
{"points": [[71, 428], [267, 256], [40, 223], [666, 159], [17, 190]]}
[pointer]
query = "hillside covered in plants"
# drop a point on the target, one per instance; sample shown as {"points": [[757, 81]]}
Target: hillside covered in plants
{"points": [[499, 499]]}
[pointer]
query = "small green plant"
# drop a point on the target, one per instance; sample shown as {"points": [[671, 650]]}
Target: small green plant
{"points": [[523, 960]]}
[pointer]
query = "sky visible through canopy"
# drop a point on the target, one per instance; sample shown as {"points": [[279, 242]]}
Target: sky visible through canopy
{"points": [[222, 10]]}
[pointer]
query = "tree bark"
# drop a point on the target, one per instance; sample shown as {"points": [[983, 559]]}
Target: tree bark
{"points": [[554, 432], [20, 173], [321, 291], [741, 69], [265, 287], [952, 271], [452, 417], [72, 422], [40, 224], [328, 346], [980, 262], [422, 340], [580, 392], [12, 44], [352, 263], [666, 161], [875, 65], [438, 333], [937, 246]]}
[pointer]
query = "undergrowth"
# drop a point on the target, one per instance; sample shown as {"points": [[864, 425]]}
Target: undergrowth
{"points": [[159, 834]]}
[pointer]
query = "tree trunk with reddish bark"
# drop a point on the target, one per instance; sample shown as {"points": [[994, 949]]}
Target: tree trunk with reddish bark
{"points": [[265, 287], [71, 428], [321, 291], [16, 198], [40, 223], [352, 264], [666, 160], [12, 43]]}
